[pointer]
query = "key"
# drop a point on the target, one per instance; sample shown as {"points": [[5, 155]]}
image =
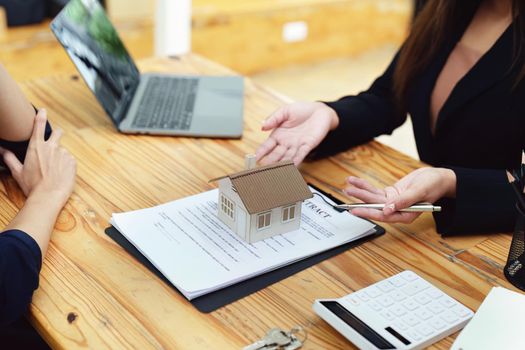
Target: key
{"points": [[294, 345], [274, 339], [278, 337], [296, 342]]}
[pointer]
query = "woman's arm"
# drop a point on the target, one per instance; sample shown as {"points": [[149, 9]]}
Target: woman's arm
{"points": [[363, 117], [473, 200], [47, 178], [322, 129], [17, 114]]}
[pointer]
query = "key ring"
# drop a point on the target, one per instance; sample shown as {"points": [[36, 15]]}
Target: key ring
{"points": [[295, 331]]}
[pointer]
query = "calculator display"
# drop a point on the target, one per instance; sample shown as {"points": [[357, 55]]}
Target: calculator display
{"points": [[357, 325]]}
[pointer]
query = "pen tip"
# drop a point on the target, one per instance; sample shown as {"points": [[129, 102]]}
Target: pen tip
{"points": [[510, 177]]}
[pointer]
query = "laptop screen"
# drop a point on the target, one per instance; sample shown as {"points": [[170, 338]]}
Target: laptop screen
{"points": [[94, 46]]}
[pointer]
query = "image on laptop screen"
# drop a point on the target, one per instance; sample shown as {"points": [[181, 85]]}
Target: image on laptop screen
{"points": [[100, 56]]}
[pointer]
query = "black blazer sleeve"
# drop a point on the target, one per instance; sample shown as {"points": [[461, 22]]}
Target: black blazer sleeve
{"points": [[20, 262], [363, 117], [485, 203]]}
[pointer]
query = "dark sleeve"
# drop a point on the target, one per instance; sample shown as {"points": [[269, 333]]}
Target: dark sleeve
{"points": [[363, 117], [484, 203], [20, 148], [20, 262]]}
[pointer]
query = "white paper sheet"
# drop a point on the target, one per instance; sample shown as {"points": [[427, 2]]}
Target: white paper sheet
{"points": [[196, 252], [498, 323]]}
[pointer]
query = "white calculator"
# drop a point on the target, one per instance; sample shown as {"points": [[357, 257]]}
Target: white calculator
{"points": [[400, 312]]}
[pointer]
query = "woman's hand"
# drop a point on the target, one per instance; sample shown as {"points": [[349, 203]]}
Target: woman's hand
{"points": [[421, 185], [297, 129], [48, 168]]}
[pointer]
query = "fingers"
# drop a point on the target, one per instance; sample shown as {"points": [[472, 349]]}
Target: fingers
{"points": [[302, 152], [276, 155], [378, 215], [290, 153], [55, 137], [364, 191], [364, 195], [275, 119], [12, 162], [39, 128], [402, 201], [363, 184], [265, 148]]}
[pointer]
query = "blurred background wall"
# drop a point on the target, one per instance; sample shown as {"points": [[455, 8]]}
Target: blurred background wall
{"points": [[306, 49]]}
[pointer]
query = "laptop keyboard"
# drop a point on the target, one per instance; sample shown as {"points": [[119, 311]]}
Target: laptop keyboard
{"points": [[167, 103]]}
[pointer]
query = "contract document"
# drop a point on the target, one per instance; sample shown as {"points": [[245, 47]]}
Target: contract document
{"points": [[198, 254]]}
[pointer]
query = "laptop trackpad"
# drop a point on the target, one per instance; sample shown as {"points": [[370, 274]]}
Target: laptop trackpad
{"points": [[219, 106]]}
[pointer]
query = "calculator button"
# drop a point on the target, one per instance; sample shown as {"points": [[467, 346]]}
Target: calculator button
{"points": [[352, 300], [461, 311], [411, 305], [363, 297], [424, 330], [397, 281], [411, 289], [409, 276], [375, 306], [436, 308], [399, 325], [415, 287], [373, 292], [385, 286], [410, 320], [398, 296], [446, 302], [398, 310], [437, 323], [449, 317], [420, 285], [388, 315], [434, 293], [423, 299], [424, 314], [412, 334], [386, 301]]}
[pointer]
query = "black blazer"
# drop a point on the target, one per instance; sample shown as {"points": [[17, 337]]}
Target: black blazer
{"points": [[480, 131]]}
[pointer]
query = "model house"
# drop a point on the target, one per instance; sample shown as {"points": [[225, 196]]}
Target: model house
{"points": [[261, 202]]}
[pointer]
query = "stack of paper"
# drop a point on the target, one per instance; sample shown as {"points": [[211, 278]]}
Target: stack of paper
{"points": [[198, 254], [497, 324]]}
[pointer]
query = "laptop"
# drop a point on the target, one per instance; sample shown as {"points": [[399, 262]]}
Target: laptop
{"points": [[158, 104]]}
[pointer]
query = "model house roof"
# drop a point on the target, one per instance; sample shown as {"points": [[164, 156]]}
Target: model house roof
{"points": [[268, 187]]}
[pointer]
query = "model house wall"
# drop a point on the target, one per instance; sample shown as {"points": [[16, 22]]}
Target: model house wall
{"points": [[246, 225], [259, 203], [240, 223], [277, 226]]}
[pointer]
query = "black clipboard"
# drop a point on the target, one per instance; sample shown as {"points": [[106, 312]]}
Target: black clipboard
{"points": [[215, 300]]}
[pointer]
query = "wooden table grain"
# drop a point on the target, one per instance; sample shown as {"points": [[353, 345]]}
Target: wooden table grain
{"points": [[93, 295]]}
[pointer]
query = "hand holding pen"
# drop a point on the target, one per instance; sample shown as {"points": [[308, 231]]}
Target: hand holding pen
{"points": [[425, 185]]}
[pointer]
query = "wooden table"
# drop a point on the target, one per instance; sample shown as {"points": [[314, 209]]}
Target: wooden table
{"points": [[94, 295]]}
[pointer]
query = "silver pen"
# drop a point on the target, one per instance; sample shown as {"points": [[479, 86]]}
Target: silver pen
{"points": [[418, 207]]}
